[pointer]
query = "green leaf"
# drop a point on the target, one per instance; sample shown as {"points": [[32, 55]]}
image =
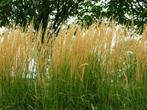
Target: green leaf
{"points": [[4, 2]]}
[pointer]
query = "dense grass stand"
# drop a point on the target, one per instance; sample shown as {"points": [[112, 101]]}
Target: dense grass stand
{"points": [[103, 67]]}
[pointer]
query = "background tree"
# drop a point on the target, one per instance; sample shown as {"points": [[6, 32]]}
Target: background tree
{"points": [[22, 11], [58, 11], [5, 11], [123, 11], [89, 11], [127, 11]]}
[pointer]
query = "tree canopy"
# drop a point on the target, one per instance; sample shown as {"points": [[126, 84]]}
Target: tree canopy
{"points": [[58, 11]]}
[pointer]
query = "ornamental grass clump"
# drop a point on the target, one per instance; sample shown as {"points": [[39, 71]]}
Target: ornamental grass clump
{"points": [[95, 68]]}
